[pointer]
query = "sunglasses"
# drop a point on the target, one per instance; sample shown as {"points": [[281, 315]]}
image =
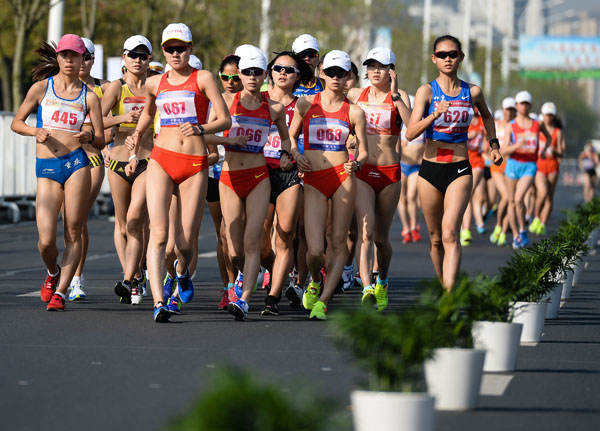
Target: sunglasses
{"points": [[336, 72], [443, 54], [226, 78], [142, 56], [287, 69], [253, 72], [310, 53], [177, 48], [87, 56]]}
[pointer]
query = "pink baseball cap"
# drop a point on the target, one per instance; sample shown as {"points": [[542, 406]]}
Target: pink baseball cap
{"points": [[71, 42]]}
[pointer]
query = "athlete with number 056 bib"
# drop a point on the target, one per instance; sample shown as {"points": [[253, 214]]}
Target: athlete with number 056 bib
{"points": [[443, 110]]}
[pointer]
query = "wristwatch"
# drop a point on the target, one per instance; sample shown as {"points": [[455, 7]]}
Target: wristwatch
{"points": [[395, 97], [357, 165], [201, 129], [287, 153]]}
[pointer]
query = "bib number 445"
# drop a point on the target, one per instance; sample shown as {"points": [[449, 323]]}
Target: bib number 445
{"points": [[64, 117]]}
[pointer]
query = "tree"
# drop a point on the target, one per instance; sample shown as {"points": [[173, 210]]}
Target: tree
{"points": [[88, 18]]}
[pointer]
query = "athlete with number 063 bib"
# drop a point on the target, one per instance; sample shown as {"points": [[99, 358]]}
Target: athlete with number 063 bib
{"points": [[443, 110]]}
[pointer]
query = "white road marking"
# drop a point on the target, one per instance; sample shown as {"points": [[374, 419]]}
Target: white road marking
{"points": [[207, 254], [494, 385], [33, 294], [88, 259]]}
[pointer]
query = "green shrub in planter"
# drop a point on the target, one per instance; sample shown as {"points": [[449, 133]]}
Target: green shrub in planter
{"points": [[391, 347], [239, 402]]}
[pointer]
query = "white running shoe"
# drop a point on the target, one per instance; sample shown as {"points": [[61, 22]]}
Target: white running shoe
{"points": [[77, 286], [348, 277], [144, 290], [136, 294]]}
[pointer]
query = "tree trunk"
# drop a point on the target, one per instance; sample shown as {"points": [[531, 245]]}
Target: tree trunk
{"points": [[17, 66], [88, 19], [6, 87]]}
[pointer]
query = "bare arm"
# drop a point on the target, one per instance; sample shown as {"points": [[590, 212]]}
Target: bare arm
{"points": [[96, 119], [29, 105], [278, 117], [302, 106], [417, 123], [488, 122], [359, 124]]}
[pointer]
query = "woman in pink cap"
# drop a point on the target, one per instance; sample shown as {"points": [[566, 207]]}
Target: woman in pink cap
{"points": [[62, 102]]}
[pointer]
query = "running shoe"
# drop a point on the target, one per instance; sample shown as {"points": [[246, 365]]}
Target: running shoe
{"points": [[57, 303], [168, 287], [238, 285], [123, 290], [319, 311], [161, 313], [524, 239], [271, 306], [224, 300], [266, 282], [76, 287], [144, 289], [348, 278], [406, 237], [541, 230], [381, 295], [501, 239], [186, 287], [294, 293], [311, 295], [174, 305], [368, 297], [232, 295], [49, 286], [141, 282], [293, 276], [465, 237], [517, 243], [415, 236], [535, 224], [495, 234], [239, 309], [481, 230], [136, 293]]}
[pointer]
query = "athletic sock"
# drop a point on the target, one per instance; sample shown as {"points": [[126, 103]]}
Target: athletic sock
{"points": [[380, 281], [54, 275]]}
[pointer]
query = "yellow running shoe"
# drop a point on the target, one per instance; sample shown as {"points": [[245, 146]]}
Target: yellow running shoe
{"points": [[495, 234], [535, 224], [319, 311], [501, 239], [465, 237], [381, 296], [369, 299], [541, 230], [311, 295]]}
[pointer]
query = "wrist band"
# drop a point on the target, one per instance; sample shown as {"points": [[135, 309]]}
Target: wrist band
{"points": [[287, 153], [133, 157], [494, 141]]}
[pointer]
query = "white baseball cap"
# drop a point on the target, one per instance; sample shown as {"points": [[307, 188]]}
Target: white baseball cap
{"points": [[303, 42], [156, 66], [382, 55], [549, 108], [498, 114], [523, 96], [89, 45], [509, 103], [251, 57], [337, 58], [533, 116], [177, 31], [134, 41], [195, 62]]}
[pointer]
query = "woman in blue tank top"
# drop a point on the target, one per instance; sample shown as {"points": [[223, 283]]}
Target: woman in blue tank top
{"points": [[443, 110]]}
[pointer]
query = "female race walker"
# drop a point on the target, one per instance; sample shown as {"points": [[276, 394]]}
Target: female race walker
{"points": [[96, 158], [588, 162], [548, 169], [178, 159], [62, 168], [122, 106], [306, 48], [378, 186], [327, 119], [444, 109]]}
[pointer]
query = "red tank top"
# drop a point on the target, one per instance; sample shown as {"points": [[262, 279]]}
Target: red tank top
{"points": [[476, 142], [253, 124], [273, 146], [528, 152], [183, 103], [326, 131], [551, 147], [382, 117]]}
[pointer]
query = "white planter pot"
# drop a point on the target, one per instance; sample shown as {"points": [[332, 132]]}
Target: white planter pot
{"points": [[566, 290], [577, 273], [531, 315], [454, 377], [553, 299], [392, 411], [500, 340]]}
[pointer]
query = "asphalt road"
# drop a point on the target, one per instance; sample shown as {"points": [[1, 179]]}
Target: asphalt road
{"points": [[103, 365]]}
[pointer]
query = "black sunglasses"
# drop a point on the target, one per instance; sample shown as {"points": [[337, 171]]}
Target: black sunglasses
{"points": [[87, 56], [310, 53], [287, 69], [336, 72], [254, 71], [226, 78], [142, 56], [443, 54], [177, 48]]}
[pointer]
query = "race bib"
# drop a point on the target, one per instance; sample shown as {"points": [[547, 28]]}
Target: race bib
{"points": [[456, 119], [379, 118], [328, 134], [176, 107], [530, 145], [256, 129], [273, 145], [476, 143], [63, 115]]}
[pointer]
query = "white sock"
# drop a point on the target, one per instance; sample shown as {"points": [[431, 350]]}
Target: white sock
{"points": [[62, 295], [54, 275]]}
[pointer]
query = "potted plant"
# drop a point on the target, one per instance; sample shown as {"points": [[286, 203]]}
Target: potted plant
{"points": [[392, 348]]}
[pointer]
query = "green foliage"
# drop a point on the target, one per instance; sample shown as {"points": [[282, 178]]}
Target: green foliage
{"points": [[257, 407]]}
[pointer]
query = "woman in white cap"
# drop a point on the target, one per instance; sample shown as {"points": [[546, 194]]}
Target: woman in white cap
{"points": [[77, 286], [588, 162], [244, 184], [443, 110], [326, 119], [62, 102], [521, 139], [378, 187], [548, 169], [179, 159], [306, 48], [508, 113], [155, 68], [286, 72], [122, 105]]}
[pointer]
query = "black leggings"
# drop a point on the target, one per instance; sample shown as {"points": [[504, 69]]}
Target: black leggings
{"points": [[441, 175]]}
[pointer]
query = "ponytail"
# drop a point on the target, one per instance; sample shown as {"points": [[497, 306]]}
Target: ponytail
{"points": [[48, 63]]}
